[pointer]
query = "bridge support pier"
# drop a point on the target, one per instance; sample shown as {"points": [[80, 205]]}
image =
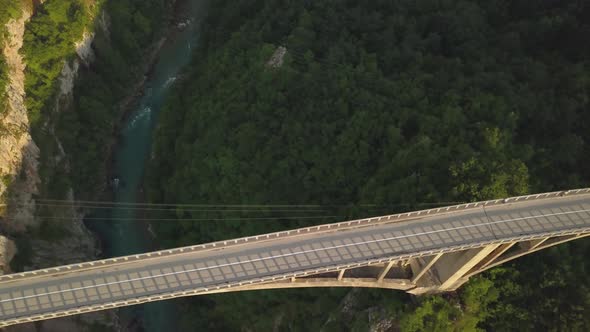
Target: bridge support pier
{"points": [[450, 270], [494, 255], [419, 269], [453, 267], [385, 270], [526, 248]]}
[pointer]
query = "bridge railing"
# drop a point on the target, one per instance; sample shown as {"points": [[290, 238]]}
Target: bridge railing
{"points": [[294, 232]]}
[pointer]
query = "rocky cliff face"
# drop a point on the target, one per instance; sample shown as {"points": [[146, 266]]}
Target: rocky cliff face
{"points": [[20, 179], [7, 251], [78, 244], [19, 155]]}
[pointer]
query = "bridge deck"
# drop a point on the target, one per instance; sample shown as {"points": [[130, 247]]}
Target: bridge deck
{"points": [[203, 271]]}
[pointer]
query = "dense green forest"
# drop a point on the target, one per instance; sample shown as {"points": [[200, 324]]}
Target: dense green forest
{"points": [[389, 103]]}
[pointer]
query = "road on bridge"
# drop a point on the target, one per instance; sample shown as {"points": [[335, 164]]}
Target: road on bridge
{"points": [[283, 257]]}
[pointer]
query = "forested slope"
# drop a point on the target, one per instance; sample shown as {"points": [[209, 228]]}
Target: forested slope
{"points": [[390, 103]]}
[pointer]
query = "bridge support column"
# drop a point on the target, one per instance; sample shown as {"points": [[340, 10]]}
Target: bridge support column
{"points": [[341, 274], [452, 268], [494, 255], [420, 269], [532, 244], [385, 270], [527, 248]]}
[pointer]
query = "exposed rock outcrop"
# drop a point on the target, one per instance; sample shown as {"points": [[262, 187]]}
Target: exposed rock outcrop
{"points": [[104, 23], [277, 59], [380, 321], [7, 251], [67, 78], [19, 154], [84, 48]]}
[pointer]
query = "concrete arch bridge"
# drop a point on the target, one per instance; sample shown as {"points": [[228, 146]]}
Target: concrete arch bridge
{"points": [[419, 252]]}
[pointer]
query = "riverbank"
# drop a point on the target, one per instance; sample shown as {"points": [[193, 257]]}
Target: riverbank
{"points": [[128, 104]]}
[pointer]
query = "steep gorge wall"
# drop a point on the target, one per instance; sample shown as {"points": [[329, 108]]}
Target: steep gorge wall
{"points": [[19, 155], [18, 152], [20, 159], [78, 244]]}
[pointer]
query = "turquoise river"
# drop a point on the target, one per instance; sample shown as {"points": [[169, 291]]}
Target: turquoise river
{"points": [[124, 234]]}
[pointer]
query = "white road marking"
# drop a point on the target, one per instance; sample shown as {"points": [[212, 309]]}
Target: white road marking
{"points": [[284, 255]]}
